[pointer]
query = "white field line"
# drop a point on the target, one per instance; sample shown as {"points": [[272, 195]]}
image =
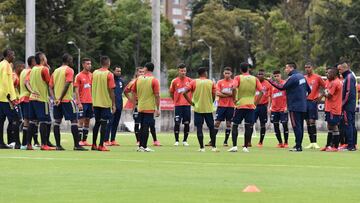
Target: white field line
{"points": [[182, 162]]}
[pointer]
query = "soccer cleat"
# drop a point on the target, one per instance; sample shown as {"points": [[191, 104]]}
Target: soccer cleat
{"points": [[185, 144], [37, 145], [157, 143], [225, 144], [80, 148], [103, 149], [343, 146], [81, 143], [260, 145], [85, 143], [4, 146], [286, 145], [51, 145], [140, 149], [23, 147], [295, 149], [245, 149], [59, 148], [331, 149], [147, 149], [316, 146], [214, 149], [46, 148], [107, 143], [12, 145], [29, 147], [323, 149], [94, 147], [280, 145], [208, 144], [176, 144], [201, 150], [114, 143], [310, 146], [233, 149]]}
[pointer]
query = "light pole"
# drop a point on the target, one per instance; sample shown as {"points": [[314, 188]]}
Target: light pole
{"points": [[73, 43], [210, 57], [355, 37]]}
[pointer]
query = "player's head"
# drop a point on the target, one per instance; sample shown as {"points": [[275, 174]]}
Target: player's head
{"points": [[343, 67], [149, 67], [202, 72], [105, 61], [67, 59], [9, 55], [181, 70], [277, 75], [332, 73], [18, 67], [139, 71], [290, 67], [244, 67], [117, 71], [227, 73], [86, 64], [40, 58], [261, 75], [309, 67], [31, 61]]}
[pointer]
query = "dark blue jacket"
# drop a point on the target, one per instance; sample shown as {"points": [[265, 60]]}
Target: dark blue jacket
{"points": [[349, 92], [296, 89], [118, 92]]}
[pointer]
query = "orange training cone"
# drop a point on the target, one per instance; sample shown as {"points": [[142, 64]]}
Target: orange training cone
{"points": [[251, 188]]}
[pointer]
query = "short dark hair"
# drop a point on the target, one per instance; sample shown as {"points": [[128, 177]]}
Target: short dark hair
{"points": [[37, 57], [261, 70], [244, 67], [66, 57], [292, 64], [117, 66], [276, 72], [30, 59], [149, 66], [202, 70], [18, 63], [7, 52], [310, 64], [83, 60], [181, 66], [104, 60], [227, 68]]}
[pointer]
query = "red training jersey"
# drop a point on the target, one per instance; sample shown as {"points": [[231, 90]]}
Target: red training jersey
{"points": [[177, 88], [315, 82], [225, 87], [278, 99], [83, 81]]}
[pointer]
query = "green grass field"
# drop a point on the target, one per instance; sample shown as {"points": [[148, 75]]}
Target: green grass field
{"points": [[179, 174]]}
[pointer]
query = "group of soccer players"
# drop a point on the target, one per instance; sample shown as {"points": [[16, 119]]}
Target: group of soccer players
{"points": [[27, 94]]}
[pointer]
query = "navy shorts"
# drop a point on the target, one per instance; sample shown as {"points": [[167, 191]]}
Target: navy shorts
{"points": [[147, 119], [66, 110], [200, 117], [101, 113], [261, 113], [7, 112], [25, 106], [332, 119], [39, 111], [136, 116], [244, 114], [312, 110], [87, 111], [224, 113], [182, 114], [277, 117]]}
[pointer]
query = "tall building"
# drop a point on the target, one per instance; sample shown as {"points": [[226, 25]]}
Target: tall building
{"points": [[177, 11]]}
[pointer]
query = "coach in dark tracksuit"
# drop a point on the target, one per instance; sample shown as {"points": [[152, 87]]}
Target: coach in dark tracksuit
{"points": [[114, 122], [297, 90], [348, 104]]}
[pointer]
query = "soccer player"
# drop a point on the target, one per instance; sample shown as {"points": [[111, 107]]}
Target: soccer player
{"points": [[279, 112], [348, 103], [103, 101], [83, 83], [333, 99], [8, 95], [244, 95], [261, 111], [296, 89], [203, 95], [133, 100], [147, 90], [39, 79], [316, 84], [182, 106], [225, 109], [114, 122], [61, 85]]}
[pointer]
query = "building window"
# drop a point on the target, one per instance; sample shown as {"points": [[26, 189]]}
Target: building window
{"points": [[178, 32], [177, 11], [176, 21], [176, 2]]}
